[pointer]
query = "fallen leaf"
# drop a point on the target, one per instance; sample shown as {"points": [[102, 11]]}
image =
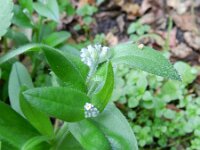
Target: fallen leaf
{"points": [[146, 5], [111, 39], [180, 6], [192, 40], [173, 3], [181, 51], [185, 22], [119, 2], [120, 22], [148, 18], [131, 9]]}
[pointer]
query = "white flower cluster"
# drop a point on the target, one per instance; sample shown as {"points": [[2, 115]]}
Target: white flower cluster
{"points": [[94, 54], [90, 110]]}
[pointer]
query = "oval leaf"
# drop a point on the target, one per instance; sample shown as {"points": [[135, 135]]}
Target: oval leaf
{"points": [[20, 18], [102, 97], [27, 4], [146, 59], [37, 118], [18, 77], [61, 102], [49, 9], [56, 38], [116, 128], [5, 15], [67, 67], [89, 136]]}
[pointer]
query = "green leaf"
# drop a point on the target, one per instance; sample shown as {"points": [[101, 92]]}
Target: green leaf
{"points": [[36, 143], [5, 15], [27, 4], [86, 10], [146, 59], [116, 128], [61, 102], [20, 18], [133, 27], [6, 146], [19, 38], [89, 136], [187, 73], [17, 51], [69, 143], [48, 8], [102, 97], [67, 67], [56, 38], [37, 118], [13, 128], [18, 77]]}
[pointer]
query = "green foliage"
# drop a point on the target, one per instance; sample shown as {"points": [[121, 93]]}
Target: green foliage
{"points": [[18, 77], [5, 16], [27, 4], [136, 30], [40, 98], [68, 68], [67, 85], [23, 130], [20, 18], [47, 8], [145, 58], [162, 113], [101, 97], [86, 10], [116, 128], [56, 38], [91, 138]]}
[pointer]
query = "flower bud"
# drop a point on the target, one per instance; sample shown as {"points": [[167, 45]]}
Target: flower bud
{"points": [[90, 110]]}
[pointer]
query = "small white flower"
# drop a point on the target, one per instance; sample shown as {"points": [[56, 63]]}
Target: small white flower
{"points": [[104, 52], [90, 110], [94, 54]]}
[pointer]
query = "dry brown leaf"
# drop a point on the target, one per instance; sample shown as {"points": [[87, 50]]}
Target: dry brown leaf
{"points": [[148, 18], [119, 2], [173, 3], [185, 22], [180, 6], [146, 4], [181, 51], [120, 22], [131, 9], [111, 39], [192, 40]]}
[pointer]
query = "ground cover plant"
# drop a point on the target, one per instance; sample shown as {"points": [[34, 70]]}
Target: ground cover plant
{"points": [[65, 86]]}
